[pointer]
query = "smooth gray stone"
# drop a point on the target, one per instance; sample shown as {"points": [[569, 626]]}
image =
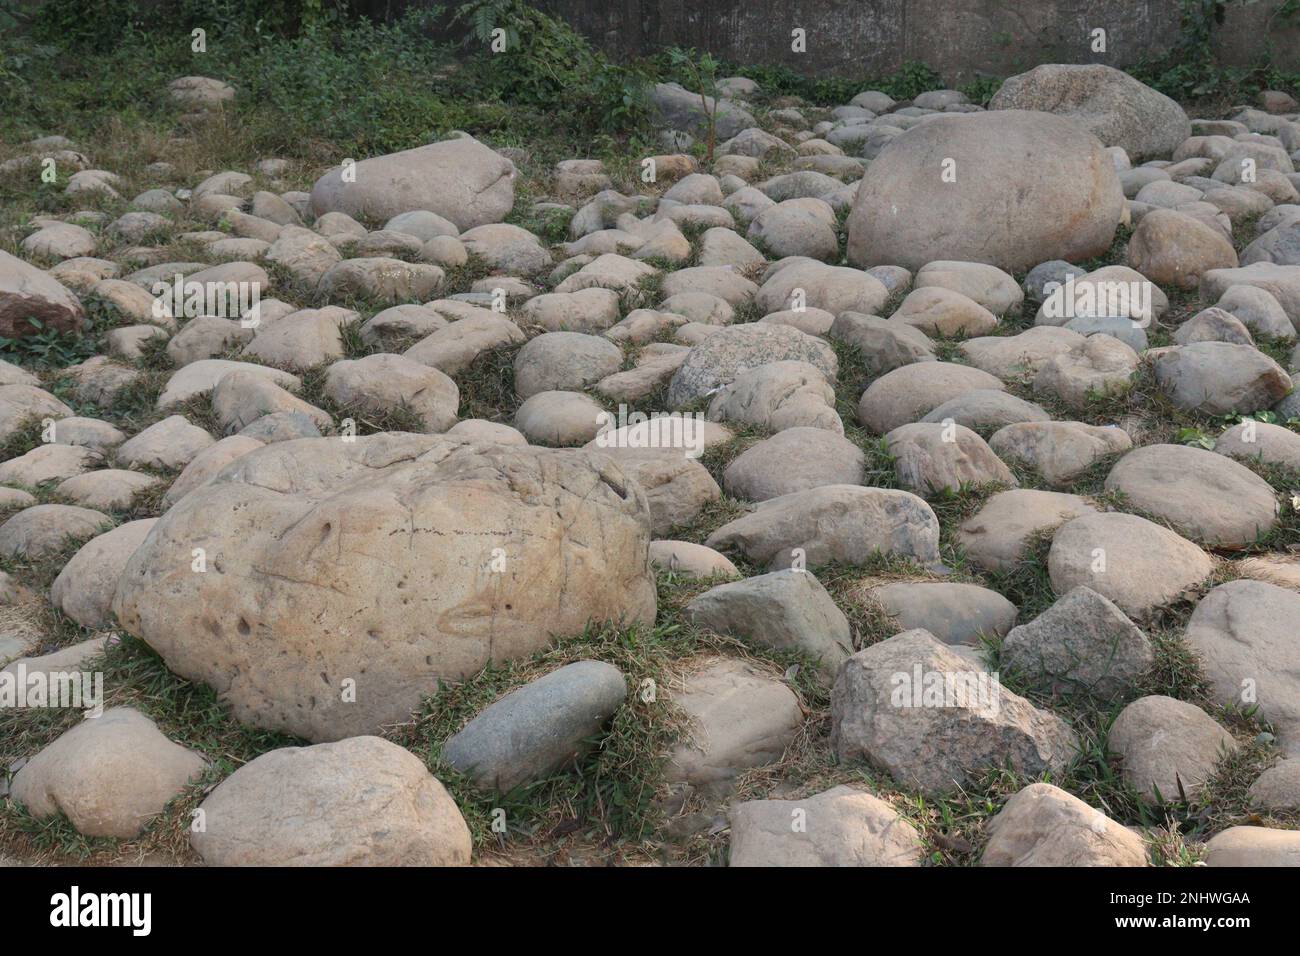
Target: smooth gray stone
{"points": [[537, 729]]}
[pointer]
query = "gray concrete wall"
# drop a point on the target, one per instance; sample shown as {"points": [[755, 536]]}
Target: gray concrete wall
{"points": [[963, 39]]}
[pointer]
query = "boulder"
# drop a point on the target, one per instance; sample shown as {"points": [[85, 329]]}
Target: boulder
{"points": [[85, 587], [1140, 565], [738, 717], [559, 419], [882, 344], [1260, 441], [834, 523], [564, 361], [914, 707], [1167, 748], [1218, 378], [907, 394], [1281, 282], [1244, 634], [28, 295], [109, 775], [1043, 825], [842, 827], [1278, 787], [460, 179], [1253, 846], [107, 489], [722, 357], [938, 311], [931, 458], [383, 383], [1172, 248], [987, 285], [422, 557], [1059, 451], [1189, 487], [1021, 187], [537, 729], [43, 530], [359, 802], [170, 443], [794, 459], [777, 396], [954, 613], [1113, 106], [690, 559], [676, 107], [1081, 644], [1100, 366], [783, 610]]}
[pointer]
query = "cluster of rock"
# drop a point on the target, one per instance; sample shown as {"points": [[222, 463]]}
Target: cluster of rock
{"points": [[324, 583]]}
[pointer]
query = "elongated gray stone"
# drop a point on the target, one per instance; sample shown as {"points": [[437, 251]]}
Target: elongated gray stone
{"points": [[538, 728]]}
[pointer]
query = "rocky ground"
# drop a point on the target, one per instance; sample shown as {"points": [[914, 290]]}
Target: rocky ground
{"points": [[951, 577]]}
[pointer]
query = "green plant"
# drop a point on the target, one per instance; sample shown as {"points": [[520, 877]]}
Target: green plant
{"points": [[19, 55], [1196, 438], [701, 72], [520, 56], [48, 348], [1191, 70]]}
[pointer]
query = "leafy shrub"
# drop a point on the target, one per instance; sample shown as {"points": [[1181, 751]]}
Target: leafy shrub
{"points": [[549, 67], [1191, 71], [364, 86], [20, 58]]}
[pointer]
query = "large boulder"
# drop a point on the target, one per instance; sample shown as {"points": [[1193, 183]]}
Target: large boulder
{"points": [[459, 179], [28, 295], [345, 579], [1026, 187], [1117, 109]]}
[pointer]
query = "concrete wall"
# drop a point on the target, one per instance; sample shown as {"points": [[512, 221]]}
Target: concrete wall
{"points": [[963, 39]]}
